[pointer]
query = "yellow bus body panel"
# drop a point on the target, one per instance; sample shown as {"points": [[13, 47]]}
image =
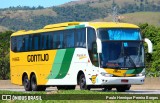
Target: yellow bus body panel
{"points": [[20, 65]]}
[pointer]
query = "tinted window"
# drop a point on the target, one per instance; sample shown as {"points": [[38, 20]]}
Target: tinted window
{"points": [[69, 38], [13, 44], [55, 40], [50, 40], [44, 41], [91, 38], [30, 42], [80, 39], [61, 40], [20, 43], [92, 46], [35, 42], [26, 41], [119, 34]]}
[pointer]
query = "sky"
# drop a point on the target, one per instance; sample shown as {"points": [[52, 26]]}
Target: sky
{"points": [[31, 3]]}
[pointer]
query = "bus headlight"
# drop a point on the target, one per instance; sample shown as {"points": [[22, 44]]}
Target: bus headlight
{"points": [[106, 74], [141, 74]]}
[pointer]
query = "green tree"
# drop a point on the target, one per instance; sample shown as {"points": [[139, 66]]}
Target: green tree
{"points": [[152, 60], [4, 55]]}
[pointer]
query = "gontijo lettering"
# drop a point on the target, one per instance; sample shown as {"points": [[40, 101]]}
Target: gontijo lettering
{"points": [[37, 57]]}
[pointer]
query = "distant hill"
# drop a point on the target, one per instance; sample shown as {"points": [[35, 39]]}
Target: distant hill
{"points": [[2, 29], [152, 18], [26, 14], [17, 18], [109, 3]]}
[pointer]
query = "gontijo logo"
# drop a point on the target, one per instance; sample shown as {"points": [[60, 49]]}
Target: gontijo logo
{"points": [[81, 56], [37, 57]]}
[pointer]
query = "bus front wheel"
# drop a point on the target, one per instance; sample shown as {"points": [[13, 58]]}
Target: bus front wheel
{"points": [[123, 88], [26, 83], [82, 83]]}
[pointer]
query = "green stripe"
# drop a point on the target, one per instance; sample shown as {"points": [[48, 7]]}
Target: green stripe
{"points": [[77, 26], [134, 71], [57, 63], [66, 63]]}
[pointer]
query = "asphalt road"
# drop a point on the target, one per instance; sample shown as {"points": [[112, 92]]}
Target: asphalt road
{"points": [[54, 89], [151, 86]]}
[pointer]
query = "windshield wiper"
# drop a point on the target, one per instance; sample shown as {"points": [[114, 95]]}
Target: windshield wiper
{"points": [[130, 59]]}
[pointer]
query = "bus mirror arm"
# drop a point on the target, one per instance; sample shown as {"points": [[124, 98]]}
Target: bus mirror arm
{"points": [[150, 46], [99, 45]]}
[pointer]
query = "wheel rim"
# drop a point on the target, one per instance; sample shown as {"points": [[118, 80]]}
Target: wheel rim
{"points": [[33, 81], [26, 82], [83, 83]]}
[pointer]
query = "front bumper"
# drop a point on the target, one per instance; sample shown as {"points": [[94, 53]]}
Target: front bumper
{"points": [[101, 80]]}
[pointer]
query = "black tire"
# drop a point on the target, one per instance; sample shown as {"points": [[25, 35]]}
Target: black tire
{"points": [[120, 89], [34, 85], [107, 89], [26, 83], [82, 83], [128, 87], [123, 88]]}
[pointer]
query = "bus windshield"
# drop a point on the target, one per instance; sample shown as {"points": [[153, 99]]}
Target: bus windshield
{"points": [[121, 48]]}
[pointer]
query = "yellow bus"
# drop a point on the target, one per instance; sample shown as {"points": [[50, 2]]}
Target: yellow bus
{"points": [[90, 54]]}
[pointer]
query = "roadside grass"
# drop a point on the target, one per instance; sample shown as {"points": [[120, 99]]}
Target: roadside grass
{"points": [[84, 101], [16, 92], [81, 92]]}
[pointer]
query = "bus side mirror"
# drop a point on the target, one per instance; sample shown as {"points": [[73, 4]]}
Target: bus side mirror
{"points": [[150, 46], [99, 46]]}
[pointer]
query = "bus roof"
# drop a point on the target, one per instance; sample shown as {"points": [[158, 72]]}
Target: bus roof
{"points": [[70, 25]]}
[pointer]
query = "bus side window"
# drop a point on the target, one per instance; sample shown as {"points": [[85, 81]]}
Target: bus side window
{"points": [[13, 44], [80, 38], [50, 40], [69, 38], [35, 42], [92, 46], [56, 40], [44, 41], [61, 40], [30, 42], [19, 43], [26, 43]]}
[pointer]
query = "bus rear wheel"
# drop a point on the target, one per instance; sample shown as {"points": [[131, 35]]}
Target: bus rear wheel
{"points": [[26, 83], [82, 83], [34, 85]]}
